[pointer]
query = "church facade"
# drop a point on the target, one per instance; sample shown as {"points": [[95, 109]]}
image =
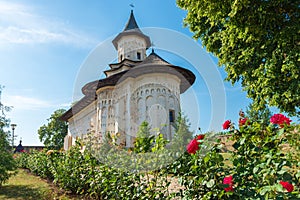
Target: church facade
{"points": [[139, 87]]}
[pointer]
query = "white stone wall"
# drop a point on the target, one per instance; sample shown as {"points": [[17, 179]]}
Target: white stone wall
{"points": [[123, 108], [129, 46], [106, 111], [150, 98], [83, 122]]}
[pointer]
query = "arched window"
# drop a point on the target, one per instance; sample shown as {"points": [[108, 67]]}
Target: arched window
{"points": [[138, 55], [103, 119], [172, 115]]}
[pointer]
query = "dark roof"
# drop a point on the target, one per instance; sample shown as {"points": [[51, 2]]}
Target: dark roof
{"points": [[131, 24], [153, 58], [89, 91], [126, 62], [152, 64], [155, 64], [19, 148]]}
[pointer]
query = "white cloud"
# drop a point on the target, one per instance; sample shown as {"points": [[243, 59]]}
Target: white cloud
{"points": [[19, 24], [29, 103]]}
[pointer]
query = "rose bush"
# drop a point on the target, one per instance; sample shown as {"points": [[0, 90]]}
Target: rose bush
{"points": [[259, 160], [264, 164]]}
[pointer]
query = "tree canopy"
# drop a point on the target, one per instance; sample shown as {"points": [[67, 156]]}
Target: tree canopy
{"points": [[7, 163], [258, 43], [53, 133]]}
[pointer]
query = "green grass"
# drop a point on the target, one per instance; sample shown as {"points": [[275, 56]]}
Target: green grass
{"points": [[25, 186]]}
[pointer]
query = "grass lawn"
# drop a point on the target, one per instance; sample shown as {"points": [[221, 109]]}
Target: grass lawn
{"points": [[25, 186]]}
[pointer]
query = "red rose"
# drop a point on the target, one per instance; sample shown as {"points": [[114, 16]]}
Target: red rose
{"points": [[289, 187], [243, 121], [280, 119], [228, 180], [193, 146], [226, 124], [200, 137]]}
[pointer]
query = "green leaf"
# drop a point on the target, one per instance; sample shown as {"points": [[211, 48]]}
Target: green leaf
{"points": [[279, 188], [255, 169], [280, 131]]}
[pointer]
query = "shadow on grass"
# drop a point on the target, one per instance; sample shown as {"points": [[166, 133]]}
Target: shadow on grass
{"points": [[19, 192]]}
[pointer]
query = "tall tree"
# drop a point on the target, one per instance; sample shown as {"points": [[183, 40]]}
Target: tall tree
{"points": [[182, 135], [257, 41], [53, 133], [7, 164], [263, 116]]}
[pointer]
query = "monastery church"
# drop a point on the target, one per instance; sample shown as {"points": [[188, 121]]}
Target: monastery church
{"points": [[139, 87]]}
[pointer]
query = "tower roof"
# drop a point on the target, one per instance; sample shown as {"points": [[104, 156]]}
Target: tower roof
{"points": [[131, 24], [153, 58], [131, 28]]}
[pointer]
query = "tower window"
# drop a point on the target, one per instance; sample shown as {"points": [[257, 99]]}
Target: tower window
{"points": [[172, 115], [138, 55], [121, 57]]}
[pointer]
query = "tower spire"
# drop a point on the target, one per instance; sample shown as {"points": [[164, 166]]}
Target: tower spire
{"points": [[131, 24]]}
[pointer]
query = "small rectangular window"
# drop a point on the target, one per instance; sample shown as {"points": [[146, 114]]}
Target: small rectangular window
{"points": [[172, 115], [138, 55]]}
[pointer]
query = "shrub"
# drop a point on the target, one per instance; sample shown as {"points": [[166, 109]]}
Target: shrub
{"points": [[7, 163], [264, 164], [260, 163]]}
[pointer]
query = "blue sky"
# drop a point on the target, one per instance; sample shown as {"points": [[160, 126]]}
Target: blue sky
{"points": [[44, 45]]}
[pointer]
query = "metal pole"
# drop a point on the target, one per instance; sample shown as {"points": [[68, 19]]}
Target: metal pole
{"points": [[13, 126]]}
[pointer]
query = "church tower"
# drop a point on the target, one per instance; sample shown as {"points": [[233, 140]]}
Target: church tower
{"points": [[131, 43]]}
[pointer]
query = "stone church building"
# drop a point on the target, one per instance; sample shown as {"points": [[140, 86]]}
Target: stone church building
{"points": [[139, 87]]}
